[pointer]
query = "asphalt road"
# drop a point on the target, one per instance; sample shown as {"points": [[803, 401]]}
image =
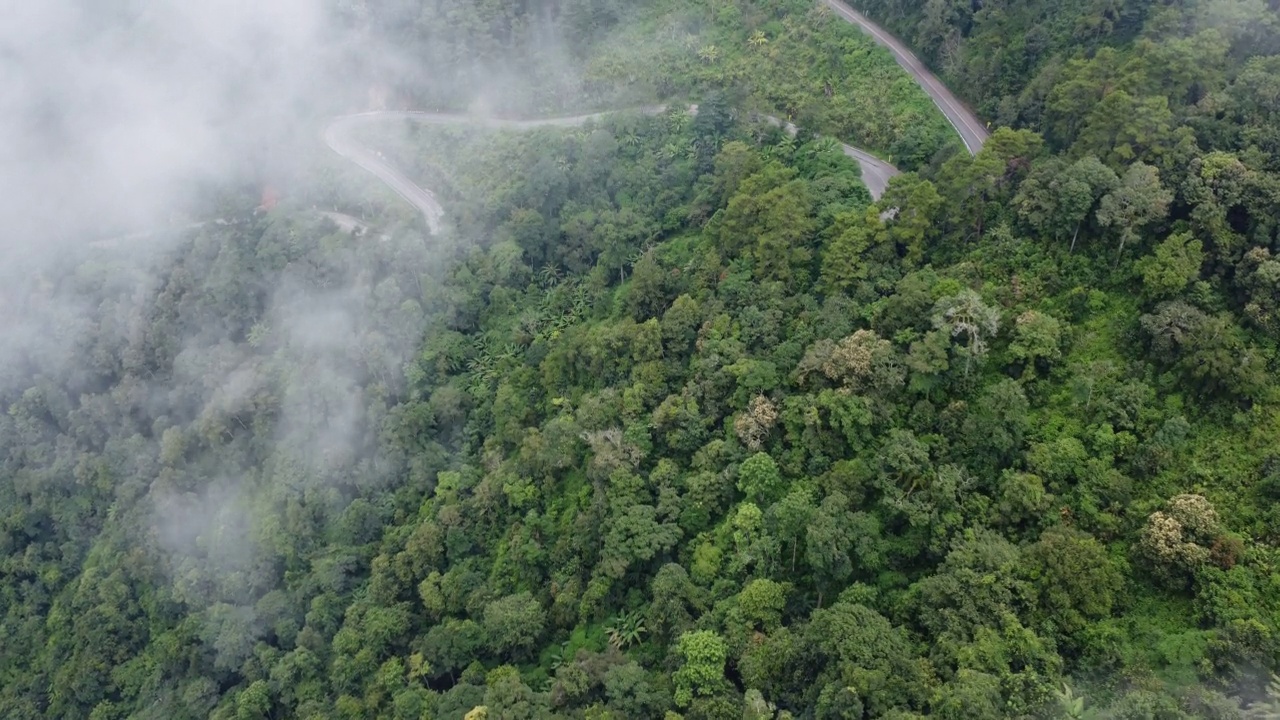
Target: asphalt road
{"points": [[875, 172], [337, 137], [972, 130]]}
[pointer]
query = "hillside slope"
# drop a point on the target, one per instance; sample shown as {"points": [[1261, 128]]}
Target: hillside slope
{"points": [[673, 420]]}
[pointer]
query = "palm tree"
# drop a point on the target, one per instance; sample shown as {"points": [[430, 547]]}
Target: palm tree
{"points": [[758, 39], [678, 120], [549, 275], [785, 147]]}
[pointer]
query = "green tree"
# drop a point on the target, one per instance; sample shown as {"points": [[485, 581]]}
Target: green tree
{"points": [[760, 480], [1175, 263], [635, 536], [1057, 198], [1123, 128], [770, 221], [858, 648], [828, 542], [507, 696], [844, 261], [1037, 337], [674, 598], [789, 518], [1211, 350], [254, 702], [762, 602], [1075, 580], [1139, 200], [914, 218], [703, 655], [514, 623], [735, 162], [978, 184], [1259, 275], [975, 587], [631, 690], [966, 316]]}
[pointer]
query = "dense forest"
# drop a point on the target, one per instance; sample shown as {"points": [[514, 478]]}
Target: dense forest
{"points": [[673, 420]]}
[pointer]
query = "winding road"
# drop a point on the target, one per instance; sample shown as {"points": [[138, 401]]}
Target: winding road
{"points": [[875, 172], [337, 137], [972, 130]]}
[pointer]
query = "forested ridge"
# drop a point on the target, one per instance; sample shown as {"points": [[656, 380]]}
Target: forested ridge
{"points": [[673, 420]]}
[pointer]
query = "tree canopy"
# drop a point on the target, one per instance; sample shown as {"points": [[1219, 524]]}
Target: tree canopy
{"points": [[671, 419]]}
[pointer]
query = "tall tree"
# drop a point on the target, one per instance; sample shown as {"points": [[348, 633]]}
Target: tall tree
{"points": [[1139, 200]]}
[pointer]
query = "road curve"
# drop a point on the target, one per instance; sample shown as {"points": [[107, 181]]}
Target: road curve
{"points": [[972, 130], [336, 136], [875, 172]]}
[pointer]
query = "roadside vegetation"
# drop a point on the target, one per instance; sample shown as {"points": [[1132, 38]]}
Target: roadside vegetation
{"points": [[791, 59]]}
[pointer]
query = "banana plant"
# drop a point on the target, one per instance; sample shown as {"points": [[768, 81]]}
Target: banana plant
{"points": [[1071, 705], [626, 630], [560, 656]]}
